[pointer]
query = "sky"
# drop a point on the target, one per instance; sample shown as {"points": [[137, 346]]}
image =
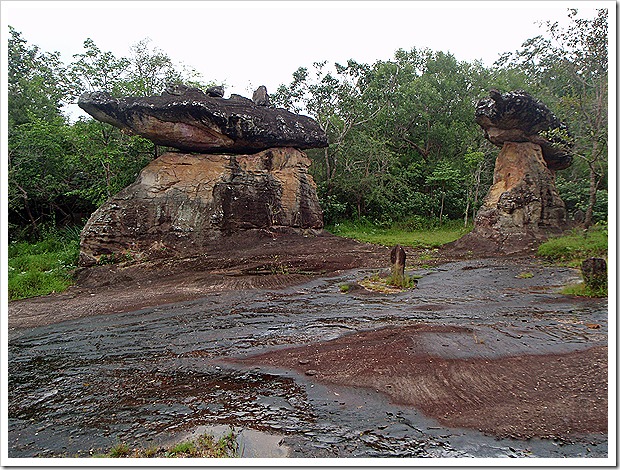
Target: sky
{"points": [[247, 44]]}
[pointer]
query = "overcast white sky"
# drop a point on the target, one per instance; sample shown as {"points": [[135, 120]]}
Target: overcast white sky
{"points": [[247, 44]]}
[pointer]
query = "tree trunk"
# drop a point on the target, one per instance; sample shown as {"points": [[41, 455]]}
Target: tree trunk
{"points": [[443, 195], [467, 207], [594, 182]]}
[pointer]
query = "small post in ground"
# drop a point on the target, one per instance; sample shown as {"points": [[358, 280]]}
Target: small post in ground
{"points": [[397, 257]]}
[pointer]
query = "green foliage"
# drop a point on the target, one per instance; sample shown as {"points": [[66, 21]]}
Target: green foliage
{"points": [[204, 446], [525, 275], [397, 131], [120, 450], [43, 267], [37, 82], [344, 288], [415, 233], [572, 249], [574, 192], [583, 290]]}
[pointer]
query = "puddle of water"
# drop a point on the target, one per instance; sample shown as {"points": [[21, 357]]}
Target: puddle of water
{"points": [[252, 443]]}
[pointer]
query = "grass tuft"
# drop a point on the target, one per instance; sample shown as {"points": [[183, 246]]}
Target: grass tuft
{"points": [[572, 249], [204, 446], [583, 290]]}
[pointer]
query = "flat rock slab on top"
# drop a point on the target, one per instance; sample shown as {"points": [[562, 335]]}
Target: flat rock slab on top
{"points": [[517, 117], [195, 122]]}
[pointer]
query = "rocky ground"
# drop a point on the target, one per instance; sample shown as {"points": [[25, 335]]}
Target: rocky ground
{"points": [[483, 359]]}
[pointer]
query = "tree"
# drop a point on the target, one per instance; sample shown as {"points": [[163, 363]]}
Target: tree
{"points": [[37, 82], [569, 67], [151, 69], [96, 70]]}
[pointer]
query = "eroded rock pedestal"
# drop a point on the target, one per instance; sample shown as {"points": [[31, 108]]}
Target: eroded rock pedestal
{"points": [[185, 204], [522, 207], [182, 204]]}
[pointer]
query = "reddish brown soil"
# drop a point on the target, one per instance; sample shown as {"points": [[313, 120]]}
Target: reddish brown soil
{"points": [[554, 396], [244, 261]]}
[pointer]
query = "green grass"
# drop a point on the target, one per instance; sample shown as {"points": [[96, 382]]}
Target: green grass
{"points": [[411, 235], [582, 290], [204, 446], [572, 249], [43, 267]]}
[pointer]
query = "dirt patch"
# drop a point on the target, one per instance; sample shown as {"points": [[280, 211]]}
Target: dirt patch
{"points": [[523, 396], [246, 260], [243, 261]]}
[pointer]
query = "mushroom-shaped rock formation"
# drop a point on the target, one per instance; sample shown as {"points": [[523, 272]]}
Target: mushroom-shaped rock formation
{"points": [[189, 120], [522, 206], [245, 173], [517, 117]]}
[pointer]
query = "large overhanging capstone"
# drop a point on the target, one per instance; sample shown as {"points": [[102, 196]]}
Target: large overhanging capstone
{"points": [[193, 121]]}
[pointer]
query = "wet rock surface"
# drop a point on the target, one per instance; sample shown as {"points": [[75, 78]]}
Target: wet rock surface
{"points": [[152, 375]]}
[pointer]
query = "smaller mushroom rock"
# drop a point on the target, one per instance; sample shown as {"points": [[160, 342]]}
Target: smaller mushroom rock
{"points": [[260, 96], [517, 117], [397, 258]]}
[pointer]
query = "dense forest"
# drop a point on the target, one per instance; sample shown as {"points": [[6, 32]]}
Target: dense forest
{"points": [[404, 146]]}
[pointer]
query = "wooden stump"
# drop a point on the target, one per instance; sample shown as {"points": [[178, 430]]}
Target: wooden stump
{"points": [[397, 257], [594, 272]]}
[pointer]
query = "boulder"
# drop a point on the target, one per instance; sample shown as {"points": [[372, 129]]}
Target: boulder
{"points": [[192, 121], [517, 117], [594, 272], [186, 204], [260, 96], [215, 91]]}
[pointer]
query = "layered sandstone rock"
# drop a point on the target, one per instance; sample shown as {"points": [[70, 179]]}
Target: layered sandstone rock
{"points": [[184, 204], [517, 117], [193, 121], [522, 206], [248, 174]]}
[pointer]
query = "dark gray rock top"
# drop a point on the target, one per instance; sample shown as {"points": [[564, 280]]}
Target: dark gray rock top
{"points": [[190, 120], [516, 116]]}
